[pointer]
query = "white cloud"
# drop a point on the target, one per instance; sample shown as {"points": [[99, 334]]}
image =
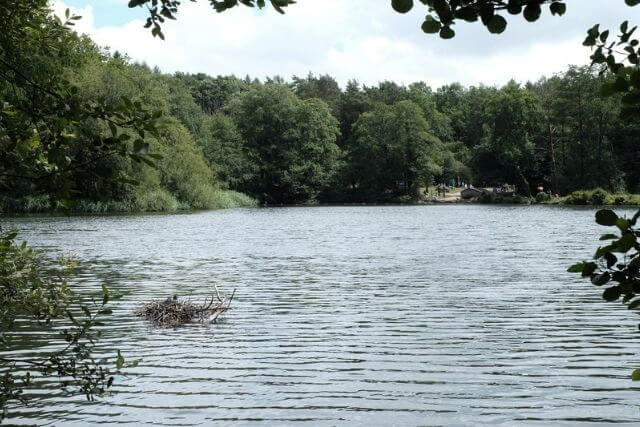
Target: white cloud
{"points": [[360, 39]]}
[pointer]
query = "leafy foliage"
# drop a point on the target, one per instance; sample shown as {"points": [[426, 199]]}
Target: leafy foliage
{"points": [[105, 152], [395, 153], [223, 148], [559, 133], [565, 137], [291, 142], [512, 118], [43, 115], [622, 58], [446, 13], [29, 291], [160, 10], [443, 14], [616, 264]]}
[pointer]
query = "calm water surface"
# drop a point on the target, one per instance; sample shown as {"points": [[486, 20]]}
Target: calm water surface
{"points": [[421, 315]]}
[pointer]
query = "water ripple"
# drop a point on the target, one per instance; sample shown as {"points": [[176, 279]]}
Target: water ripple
{"points": [[432, 315]]}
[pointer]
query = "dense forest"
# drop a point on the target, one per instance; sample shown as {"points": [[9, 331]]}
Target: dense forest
{"points": [[229, 141]]}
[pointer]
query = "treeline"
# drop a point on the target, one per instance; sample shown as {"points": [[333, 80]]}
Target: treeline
{"points": [[307, 140], [227, 141], [102, 158]]}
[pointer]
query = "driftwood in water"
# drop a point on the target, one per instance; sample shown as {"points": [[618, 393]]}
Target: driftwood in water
{"points": [[175, 312]]}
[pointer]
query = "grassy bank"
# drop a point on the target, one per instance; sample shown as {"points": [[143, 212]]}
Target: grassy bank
{"points": [[157, 200], [595, 197], [598, 197]]}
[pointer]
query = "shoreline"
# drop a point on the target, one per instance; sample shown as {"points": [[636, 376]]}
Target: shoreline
{"points": [[58, 213]]}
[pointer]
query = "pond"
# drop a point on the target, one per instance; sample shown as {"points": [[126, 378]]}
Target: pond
{"points": [[404, 315]]}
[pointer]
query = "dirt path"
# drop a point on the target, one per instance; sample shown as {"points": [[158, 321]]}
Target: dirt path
{"points": [[450, 198]]}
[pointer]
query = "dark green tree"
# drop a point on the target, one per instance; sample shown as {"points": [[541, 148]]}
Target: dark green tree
{"points": [[291, 142], [394, 154], [212, 94], [44, 114], [353, 102], [577, 135], [506, 152], [323, 87], [224, 149]]}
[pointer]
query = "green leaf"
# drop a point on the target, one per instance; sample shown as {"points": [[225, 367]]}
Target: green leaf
{"points": [[609, 237], [576, 268], [601, 279], [532, 12], [592, 35], [620, 276], [611, 294], [430, 25], [632, 2], [589, 41], [558, 8], [467, 14], [497, 24], [635, 375], [611, 259], [606, 217], [589, 268], [622, 224], [447, 33], [514, 7], [634, 304], [402, 6], [626, 242], [604, 250]]}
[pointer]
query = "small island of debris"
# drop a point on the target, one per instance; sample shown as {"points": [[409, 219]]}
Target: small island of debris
{"points": [[176, 312]]}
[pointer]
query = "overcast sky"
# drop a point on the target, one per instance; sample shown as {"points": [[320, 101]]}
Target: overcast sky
{"points": [[361, 39]]}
